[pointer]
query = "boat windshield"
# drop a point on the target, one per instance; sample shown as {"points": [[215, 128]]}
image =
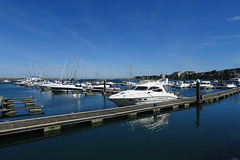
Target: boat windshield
{"points": [[231, 82], [167, 88], [132, 88], [141, 88]]}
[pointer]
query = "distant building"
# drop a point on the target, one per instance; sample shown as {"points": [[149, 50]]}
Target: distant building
{"points": [[234, 73], [177, 74], [188, 73]]}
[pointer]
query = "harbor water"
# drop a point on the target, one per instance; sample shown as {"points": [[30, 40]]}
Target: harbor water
{"points": [[206, 131]]}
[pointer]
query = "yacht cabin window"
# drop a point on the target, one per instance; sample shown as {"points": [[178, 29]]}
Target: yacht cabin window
{"points": [[205, 83], [141, 88], [155, 89]]}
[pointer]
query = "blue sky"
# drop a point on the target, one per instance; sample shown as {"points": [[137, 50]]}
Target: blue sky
{"points": [[155, 36]]}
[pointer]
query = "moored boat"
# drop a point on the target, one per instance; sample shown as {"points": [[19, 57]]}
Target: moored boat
{"points": [[66, 88], [182, 84], [230, 85], [206, 85], [150, 92], [6, 81]]}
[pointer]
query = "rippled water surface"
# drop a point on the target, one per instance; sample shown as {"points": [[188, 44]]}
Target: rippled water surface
{"points": [[209, 131]]}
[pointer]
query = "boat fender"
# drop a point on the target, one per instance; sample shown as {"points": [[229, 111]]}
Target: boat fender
{"points": [[201, 96]]}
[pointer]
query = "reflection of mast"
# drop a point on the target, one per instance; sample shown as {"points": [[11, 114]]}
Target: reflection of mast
{"points": [[198, 108]]}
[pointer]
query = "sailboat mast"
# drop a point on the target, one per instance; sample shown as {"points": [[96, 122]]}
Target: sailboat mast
{"points": [[79, 68], [35, 68], [67, 67], [30, 69], [25, 69], [38, 70], [130, 71]]}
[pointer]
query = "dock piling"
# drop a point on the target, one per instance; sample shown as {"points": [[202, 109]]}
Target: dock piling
{"points": [[156, 110], [104, 90], [98, 120], [52, 128], [198, 91], [186, 105], [175, 107], [132, 115], [8, 105]]}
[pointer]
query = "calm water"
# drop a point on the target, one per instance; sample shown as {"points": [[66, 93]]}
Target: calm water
{"points": [[205, 132]]}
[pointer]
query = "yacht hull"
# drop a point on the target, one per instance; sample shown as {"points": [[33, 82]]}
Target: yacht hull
{"points": [[62, 89], [206, 87], [138, 101]]}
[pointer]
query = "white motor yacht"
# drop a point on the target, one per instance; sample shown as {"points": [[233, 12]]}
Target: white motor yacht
{"points": [[206, 85], [193, 84], [6, 81], [66, 88], [182, 84], [99, 88], [150, 92], [87, 85], [230, 85], [236, 80], [47, 86]]}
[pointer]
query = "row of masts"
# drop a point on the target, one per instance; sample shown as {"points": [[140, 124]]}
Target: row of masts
{"points": [[72, 71], [28, 70], [75, 73]]}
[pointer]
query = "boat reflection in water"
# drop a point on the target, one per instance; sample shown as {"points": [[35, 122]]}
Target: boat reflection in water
{"points": [[159, 122], [153, 123]]}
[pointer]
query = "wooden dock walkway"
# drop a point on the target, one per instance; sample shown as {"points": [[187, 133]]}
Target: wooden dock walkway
{"points": [[55, 122]]}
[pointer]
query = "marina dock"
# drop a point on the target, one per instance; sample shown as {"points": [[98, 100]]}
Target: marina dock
{"points": [[8, 105], [52, 123]]}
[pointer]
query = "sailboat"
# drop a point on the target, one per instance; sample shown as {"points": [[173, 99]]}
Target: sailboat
{"points": [[129, 82]]}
